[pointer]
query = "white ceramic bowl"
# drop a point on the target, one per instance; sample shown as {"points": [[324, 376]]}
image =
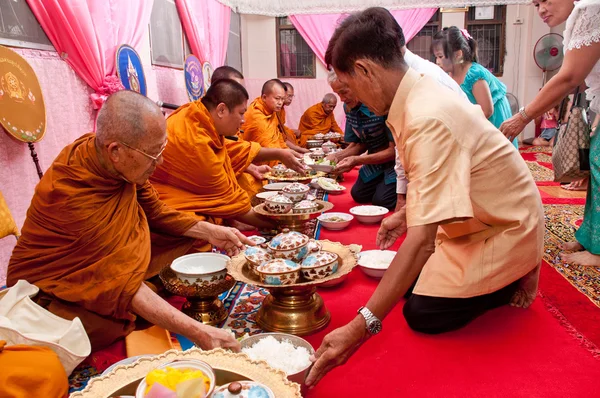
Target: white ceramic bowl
{"points": [[265, 195], [369, 214], [335, 225], [200, 268], [374, 263], [275, 186], [185, 364]]}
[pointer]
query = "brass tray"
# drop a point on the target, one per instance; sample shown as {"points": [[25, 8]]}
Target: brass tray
{"points": [[291, 216], [238, 266], [271, 177], [228, 367]]}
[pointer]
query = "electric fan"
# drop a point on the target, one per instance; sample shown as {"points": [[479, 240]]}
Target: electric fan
{"points": [[548, 53], [514, 103]]}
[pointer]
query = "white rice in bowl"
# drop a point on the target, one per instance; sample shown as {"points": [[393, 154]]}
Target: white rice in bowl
{"points": [[281, 355]]}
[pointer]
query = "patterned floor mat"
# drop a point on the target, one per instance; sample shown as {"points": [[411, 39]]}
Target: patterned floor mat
{"points": [[539, 172]]}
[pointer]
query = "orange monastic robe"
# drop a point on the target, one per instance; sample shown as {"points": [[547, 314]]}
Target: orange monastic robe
{"points": [[289, 133], [199, 170], [314, 121], [262, 126], [86, 242], [31, 371]]}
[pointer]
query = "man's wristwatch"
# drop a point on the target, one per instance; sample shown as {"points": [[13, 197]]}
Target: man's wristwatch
{"points": [[524, 115], [373, 323]]}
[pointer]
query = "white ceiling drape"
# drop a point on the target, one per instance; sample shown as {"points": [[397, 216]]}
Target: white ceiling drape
{"points": [[293, 7]]}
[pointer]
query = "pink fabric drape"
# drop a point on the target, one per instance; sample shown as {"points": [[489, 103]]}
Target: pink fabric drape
{"points": [[317, 29], [206, 25], [87, 33]]}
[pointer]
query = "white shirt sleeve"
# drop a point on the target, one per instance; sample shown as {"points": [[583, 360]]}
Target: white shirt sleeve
{"points": [[401, 180]]}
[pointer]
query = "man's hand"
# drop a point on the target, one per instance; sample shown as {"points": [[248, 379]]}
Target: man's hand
{"points": [[290, 159], [391, 229], [400, 201], [512, 127], [298, 133], [229, 239], [208, 338], [331, 157], [346, 164], [337, 347], [258, 171]]}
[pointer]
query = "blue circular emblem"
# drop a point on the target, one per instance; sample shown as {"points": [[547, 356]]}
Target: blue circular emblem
{"points": [[194, 78], [130, 70]]}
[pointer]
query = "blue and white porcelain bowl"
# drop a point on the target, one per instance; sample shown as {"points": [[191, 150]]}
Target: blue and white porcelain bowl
{"points": [[319, 265], [279, 272], [243, 389], [278, 204], [256, 256], [289, 245]]}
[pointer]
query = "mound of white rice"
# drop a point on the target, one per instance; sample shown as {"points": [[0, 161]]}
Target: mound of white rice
{"points": [[281, 355]]}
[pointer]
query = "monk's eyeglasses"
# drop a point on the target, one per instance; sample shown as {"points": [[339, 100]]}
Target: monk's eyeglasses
{"points": [[154, 158]]}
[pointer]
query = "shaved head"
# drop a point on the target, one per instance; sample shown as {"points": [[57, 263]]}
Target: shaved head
{"points": [[288, 86], [225, 91], [270, 85], [130, 117], [227, 72], [289, 94], [329, 98]]}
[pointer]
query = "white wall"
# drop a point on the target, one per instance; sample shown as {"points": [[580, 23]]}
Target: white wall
{"points": [[453, 19], [259, 46]]}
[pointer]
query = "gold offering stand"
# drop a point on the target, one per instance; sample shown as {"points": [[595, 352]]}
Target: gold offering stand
{"points": [[295, 221], [202, 302], [228, 367], [295, 309]]}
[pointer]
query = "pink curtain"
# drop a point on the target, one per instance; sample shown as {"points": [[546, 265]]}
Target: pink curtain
{"points": [[87, 33], [206, 25], [318, 29]]}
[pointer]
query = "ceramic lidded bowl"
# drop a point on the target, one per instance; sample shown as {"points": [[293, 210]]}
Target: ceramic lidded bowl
{"points": [[305, 206], [278, 170], [328, 146], [289, 245], [319, 265], [319, 136], [243, 389], [278, 204], [279, 272], [256, 256], [295, 191], [200, 268], [289, 173], [316, 143], [317, 155]]}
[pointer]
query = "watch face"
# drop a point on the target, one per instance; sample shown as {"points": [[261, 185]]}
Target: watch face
{"points": [[375, 327]]}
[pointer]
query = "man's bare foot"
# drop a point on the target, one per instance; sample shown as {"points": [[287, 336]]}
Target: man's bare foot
{"points": [[577, 185], [571, 246], [527, 290], [241, 226], [582, 258]]}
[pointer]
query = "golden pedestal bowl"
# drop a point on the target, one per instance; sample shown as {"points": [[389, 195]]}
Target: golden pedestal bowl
{"points": [[295, 309], [202, 302], [295, 221]]}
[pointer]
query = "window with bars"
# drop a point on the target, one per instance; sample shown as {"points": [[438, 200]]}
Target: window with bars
{"points": [[421, 43], [490, 35], [294, 57], [20, 28], [234, 45], [168, 45]]}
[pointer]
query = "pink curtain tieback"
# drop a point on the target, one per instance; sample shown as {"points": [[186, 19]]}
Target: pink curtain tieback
{"points": [[111, 85]]}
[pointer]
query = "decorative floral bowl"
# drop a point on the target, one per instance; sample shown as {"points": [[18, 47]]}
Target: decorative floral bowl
{"points": [[319, 136], [305, 206], [289, 245], [328, 146], [257, 255], [243, 389], [279, 272], [278, 204], [319, 265], [295, 191], [191, 364], [259, 240], [200, 268], [317, 155], [278, 170], [316, 143], [262, 196]]}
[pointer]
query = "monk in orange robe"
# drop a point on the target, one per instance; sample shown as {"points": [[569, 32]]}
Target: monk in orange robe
{"points": [[319, 118], [31, 371], [291, 136], [96, 230], [261, 123], [198, 174]]}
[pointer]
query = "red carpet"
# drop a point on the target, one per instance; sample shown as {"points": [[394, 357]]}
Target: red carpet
{"points": [[505, 353]]}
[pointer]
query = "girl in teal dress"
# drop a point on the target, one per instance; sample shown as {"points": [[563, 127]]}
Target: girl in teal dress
{"points": [[456, 53]]}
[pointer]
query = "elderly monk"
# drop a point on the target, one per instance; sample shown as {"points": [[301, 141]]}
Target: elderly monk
{"points": [[87, 243], [198, 172], [473, 218], [261, 124], [291, 136], [319, 118]]}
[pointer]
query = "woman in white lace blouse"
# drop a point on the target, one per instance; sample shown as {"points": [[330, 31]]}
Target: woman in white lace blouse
{"points": [[581, 62]]}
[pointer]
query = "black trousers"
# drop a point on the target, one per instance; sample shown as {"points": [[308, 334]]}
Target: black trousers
{"points": [[441, 314], [375, 192]]}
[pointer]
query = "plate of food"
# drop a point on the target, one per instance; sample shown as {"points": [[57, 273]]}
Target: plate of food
{"points": [[329, 185], [335, 221], [374, 263], [323, 165], [369, 214]]}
